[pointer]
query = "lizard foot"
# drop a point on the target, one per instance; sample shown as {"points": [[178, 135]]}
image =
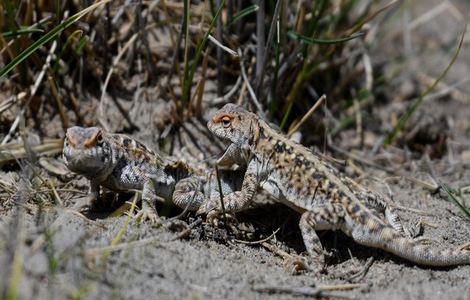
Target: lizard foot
{"points": [[85, 204], [214, 217], [414, 230], [147, 214], [297, 265]]}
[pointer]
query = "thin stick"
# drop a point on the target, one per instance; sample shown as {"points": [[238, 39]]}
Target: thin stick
{"points": [[272, 29], [60, 105], [34, 89], [259, 241], [108, 249], [307, 115], [250, 88], [277, 251], [103, 123], [320, 291], [219, 44], [230, 93], [221, 194]]}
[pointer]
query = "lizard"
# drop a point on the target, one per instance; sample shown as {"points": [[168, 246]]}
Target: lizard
{"points": [[310, 185], [120, 163]]}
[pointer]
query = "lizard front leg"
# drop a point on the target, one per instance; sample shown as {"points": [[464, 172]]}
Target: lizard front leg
{"points": [[91, 198], [234, 155], [238, 200]]}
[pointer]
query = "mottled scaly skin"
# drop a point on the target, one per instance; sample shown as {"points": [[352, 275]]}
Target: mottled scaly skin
{"points": [[304, 181], [120, 163], [197, 190]]}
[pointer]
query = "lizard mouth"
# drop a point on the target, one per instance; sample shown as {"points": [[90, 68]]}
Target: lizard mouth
{"points": [[81, 161]]}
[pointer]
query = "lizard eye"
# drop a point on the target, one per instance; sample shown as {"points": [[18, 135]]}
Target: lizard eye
{"points": [[99, 139], [226, 121]]}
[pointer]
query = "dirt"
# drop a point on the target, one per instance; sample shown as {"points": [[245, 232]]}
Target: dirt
{"points": [[212, 263], [64, 254]]}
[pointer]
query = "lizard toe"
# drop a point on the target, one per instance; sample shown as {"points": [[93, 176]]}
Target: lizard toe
{"points": [[298, 265], [214, 217], [147, 215]]}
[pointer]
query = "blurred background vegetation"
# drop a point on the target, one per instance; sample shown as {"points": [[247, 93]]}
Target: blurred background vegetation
{"points": [[119, 64]]}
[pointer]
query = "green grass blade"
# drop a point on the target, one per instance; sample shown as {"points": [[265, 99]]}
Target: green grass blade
{"points": [[186, 45], [243, 13], [402, 121], [313, 41], [68, 42], [21, 31], [47, 37], [189, 79], [451, 195], [15, 277], [318, 11]]}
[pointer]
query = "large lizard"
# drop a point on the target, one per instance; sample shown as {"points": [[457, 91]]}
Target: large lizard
{"points": [[307, 183]]}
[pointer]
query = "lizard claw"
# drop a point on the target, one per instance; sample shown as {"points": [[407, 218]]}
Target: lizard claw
{"points": [[414, 230], [297, 265], [85, 204], [147, 214], [209, 207], [214, 217]]}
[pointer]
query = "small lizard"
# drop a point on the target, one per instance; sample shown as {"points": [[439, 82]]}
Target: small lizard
{"points": [[307, 183], [120, 163]]}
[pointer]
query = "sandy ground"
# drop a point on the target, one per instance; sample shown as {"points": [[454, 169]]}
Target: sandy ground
{"points": [[213, 263]]}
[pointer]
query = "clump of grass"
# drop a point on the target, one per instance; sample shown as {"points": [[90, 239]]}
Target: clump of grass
{"points": [[455, 196], [415, 105], [288, 49], [295, 44]]}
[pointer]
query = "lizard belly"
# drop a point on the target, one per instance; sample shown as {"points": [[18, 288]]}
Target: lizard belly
{"points": [[118, 183], [124, 177], [299, 199], [280, 194]]}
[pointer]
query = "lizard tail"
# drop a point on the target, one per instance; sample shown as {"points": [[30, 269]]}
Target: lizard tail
{"points": [[375, 233]]}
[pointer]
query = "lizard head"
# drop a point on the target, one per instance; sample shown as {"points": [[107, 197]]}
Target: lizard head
{"points": [[86, 150], [234, 123]]}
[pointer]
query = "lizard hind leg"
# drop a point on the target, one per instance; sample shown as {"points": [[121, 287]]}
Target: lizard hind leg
{"points": [[381, 205], [324, 217]]}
